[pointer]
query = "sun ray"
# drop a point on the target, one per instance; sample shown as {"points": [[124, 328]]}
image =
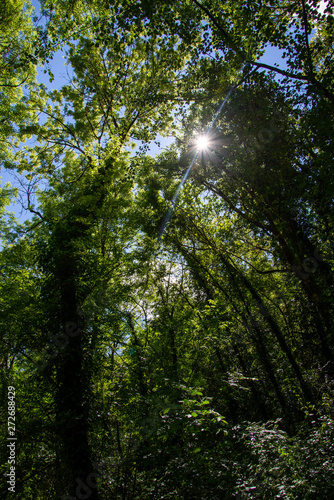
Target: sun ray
{"points": [[199, 148]]}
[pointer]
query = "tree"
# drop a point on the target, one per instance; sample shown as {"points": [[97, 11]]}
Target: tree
{"points": [[80, 213]]}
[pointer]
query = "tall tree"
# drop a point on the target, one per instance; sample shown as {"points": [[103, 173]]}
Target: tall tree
{"points": [[81, 212]]}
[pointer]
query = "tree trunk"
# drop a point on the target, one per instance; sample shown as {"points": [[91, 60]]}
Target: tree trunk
{"points": [[78, 475]]}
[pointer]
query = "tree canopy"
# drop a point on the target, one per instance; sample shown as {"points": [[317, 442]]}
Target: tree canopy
{"points": [[167, 313]]}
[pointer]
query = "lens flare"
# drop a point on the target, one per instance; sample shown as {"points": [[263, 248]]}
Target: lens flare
{"points": [[202, 142]]}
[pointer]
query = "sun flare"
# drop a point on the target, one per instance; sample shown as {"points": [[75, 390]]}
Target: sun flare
{"points": [[202, 142]]}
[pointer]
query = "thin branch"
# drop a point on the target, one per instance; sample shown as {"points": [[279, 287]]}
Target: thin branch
{"points": [[309, 57], [231, 44], [280, 71]]}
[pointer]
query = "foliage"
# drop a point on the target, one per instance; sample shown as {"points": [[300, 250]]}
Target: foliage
{"points": [[167, 320], [283, 467]]}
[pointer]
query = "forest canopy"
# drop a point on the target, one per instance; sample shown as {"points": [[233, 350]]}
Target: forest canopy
{"points": [[167, 315]]}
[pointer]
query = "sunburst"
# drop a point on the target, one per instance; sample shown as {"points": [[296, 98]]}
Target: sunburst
{"points": [[202, 143]]}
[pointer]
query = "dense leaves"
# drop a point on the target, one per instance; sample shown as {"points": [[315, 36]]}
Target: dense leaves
{"points": [[167, 318]]}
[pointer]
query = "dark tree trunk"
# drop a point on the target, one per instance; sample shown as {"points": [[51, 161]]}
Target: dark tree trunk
{"points": [[78, 475]]}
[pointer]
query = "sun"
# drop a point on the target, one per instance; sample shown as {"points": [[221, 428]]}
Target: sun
{"points": [[202, 142]]}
